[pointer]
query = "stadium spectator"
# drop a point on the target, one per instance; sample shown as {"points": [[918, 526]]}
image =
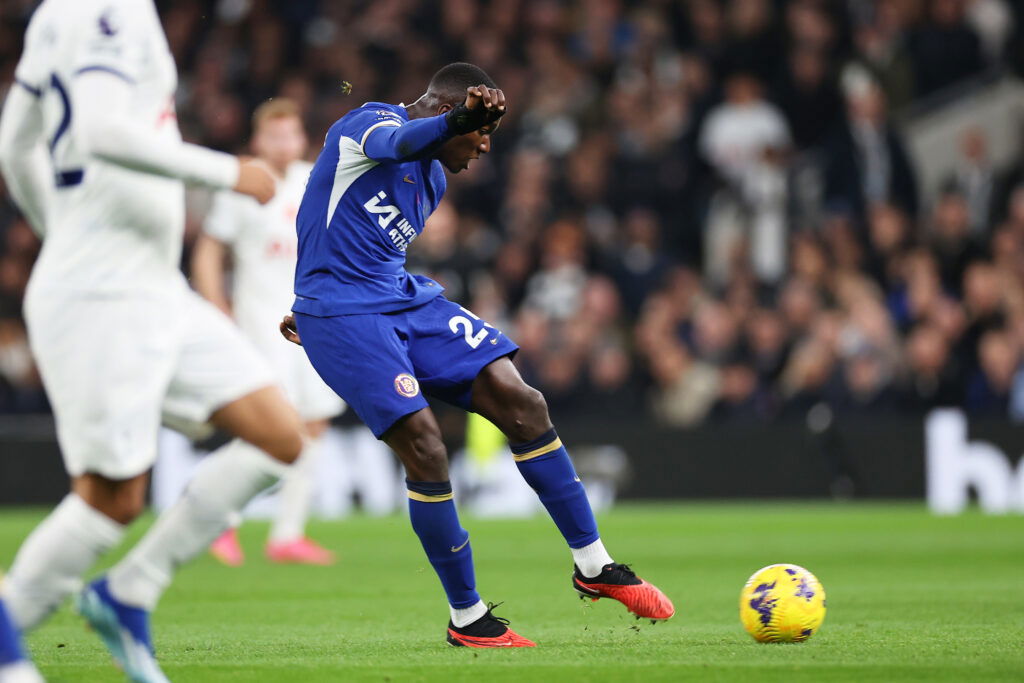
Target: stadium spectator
{"points": [[881, 44], [944, 48], [866, 162], [932, 378], [809, 97], [976, 179], [990, 388], [744, 140]]}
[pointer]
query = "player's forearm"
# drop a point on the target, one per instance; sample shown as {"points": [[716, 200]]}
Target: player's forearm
{"points": [[208, 272], [109, 134], [413, 140], [139, 150], [211, 287], [23, 160]]}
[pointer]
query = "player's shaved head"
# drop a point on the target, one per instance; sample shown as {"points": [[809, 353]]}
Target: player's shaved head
{"points": [[448, 86]]}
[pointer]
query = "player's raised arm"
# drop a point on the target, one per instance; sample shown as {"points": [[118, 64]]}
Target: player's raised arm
{"points": [[393, 140], [106, 131], [23, 159]]}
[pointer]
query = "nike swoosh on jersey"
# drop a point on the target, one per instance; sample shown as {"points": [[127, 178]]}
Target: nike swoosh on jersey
{"points": [[455, 550], [408, 179]]}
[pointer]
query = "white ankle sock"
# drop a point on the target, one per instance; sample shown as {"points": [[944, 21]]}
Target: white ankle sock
{"points": [[591, 559], [222, 485], [464, 617], [296, 495], [50, 563]]}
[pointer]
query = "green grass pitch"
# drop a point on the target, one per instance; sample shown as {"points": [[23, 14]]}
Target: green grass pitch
{"points": [[911, 598]]}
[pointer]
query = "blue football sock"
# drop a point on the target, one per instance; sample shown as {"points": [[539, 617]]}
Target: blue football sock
{"points": [[10, 641], [545, 465], [435, 521]]}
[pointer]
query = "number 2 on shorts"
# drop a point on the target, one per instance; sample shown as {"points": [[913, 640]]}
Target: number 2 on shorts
{"points": [[460, 322]]}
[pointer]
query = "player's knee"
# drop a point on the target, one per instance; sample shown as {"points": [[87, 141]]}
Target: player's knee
{"points": [[124, 506], [120, 500], [529, 414], [284, 444], [130, 509], [428, 459]]}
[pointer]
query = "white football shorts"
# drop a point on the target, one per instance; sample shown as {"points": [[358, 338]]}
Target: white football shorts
{"points": [[117, 366]]}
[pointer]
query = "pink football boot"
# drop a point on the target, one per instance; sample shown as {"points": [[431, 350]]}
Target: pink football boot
{"points": [[299, 551], [227, 549]]}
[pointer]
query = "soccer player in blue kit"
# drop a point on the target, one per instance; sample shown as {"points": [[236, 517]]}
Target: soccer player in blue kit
{"points": [[382, 338]]}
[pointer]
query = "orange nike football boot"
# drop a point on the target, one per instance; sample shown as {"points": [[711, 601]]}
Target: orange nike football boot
{"points": [[618, 582], [487, 631]]}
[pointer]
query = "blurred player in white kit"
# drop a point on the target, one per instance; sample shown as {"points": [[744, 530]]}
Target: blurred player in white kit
{"points": [[91, 152], [262, 244]]}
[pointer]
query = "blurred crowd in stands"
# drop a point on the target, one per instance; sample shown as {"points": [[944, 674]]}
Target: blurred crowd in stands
{"points": [[700, 209]]}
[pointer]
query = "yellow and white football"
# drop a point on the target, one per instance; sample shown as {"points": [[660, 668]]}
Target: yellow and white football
{"points": [[782, 603]]}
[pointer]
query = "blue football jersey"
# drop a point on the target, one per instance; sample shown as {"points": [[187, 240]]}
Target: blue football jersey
{"points": [[358, 217]]}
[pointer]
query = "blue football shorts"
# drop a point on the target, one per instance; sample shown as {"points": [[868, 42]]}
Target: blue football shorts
{"points": [[382, 364]]}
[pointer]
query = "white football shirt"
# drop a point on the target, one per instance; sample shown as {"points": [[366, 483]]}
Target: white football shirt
{"points": [[264, 245], [112, 227]]}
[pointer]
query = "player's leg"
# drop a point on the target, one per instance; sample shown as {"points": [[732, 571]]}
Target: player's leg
{"points": [[500, 394], [219, 378], [466, 361], [364, 358], [520, 412], [50, 563], [311, 397], [106, 365], [216, 377], [288, 541], [270, 437], [416, 438], [118, 604]]}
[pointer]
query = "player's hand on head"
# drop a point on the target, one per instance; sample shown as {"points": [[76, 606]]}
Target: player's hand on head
{"points": [[499, 104], [255, 179], [288, 329], [491, 100], [483, 106]]}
